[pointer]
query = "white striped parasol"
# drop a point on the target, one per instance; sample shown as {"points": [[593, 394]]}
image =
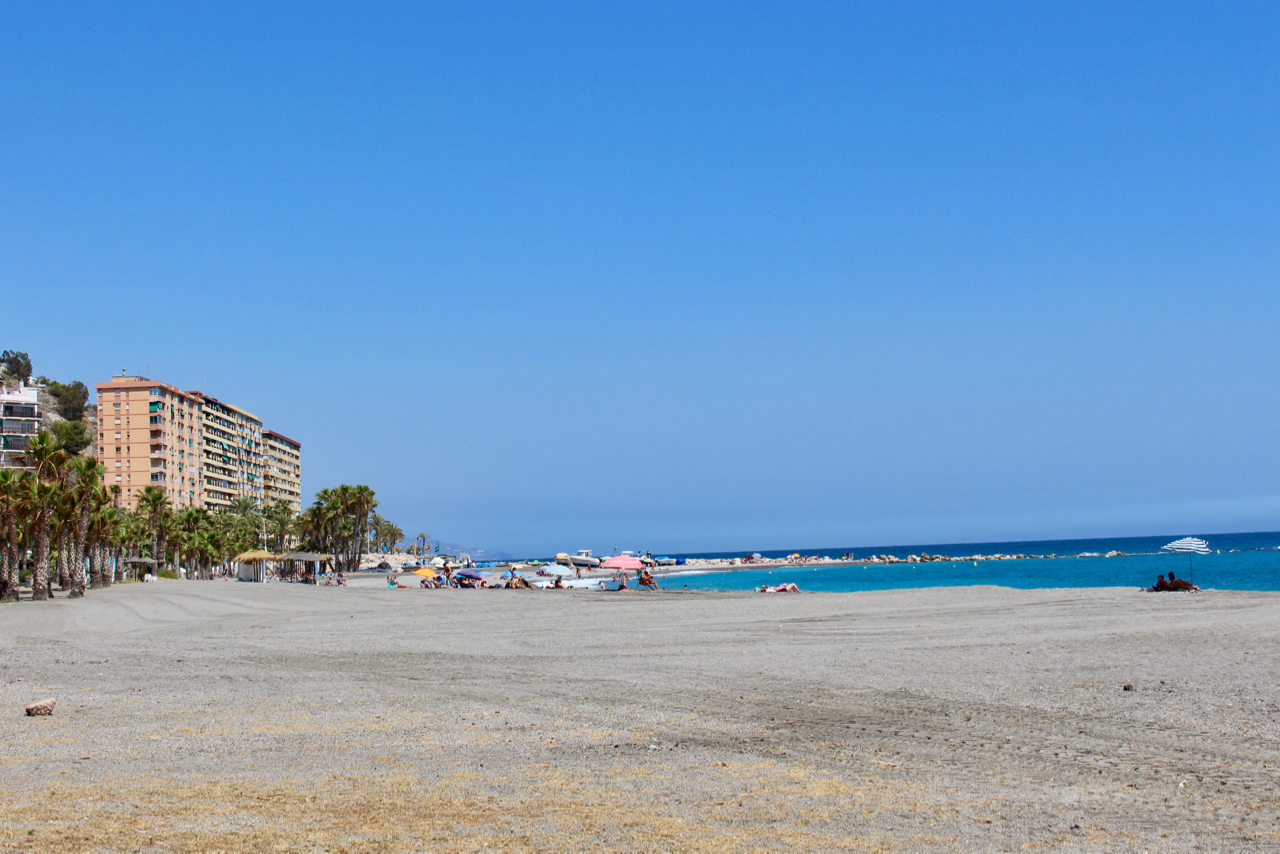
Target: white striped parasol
{"points": [[1190, 545]]}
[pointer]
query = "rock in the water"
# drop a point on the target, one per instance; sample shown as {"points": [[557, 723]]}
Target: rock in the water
{"points": [[44, 707]]}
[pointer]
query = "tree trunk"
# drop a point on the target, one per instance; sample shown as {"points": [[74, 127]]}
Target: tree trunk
{"points": [[76, 559], [64, 556], [95, 565], [118, 554], [11, 571], [40, 574]]}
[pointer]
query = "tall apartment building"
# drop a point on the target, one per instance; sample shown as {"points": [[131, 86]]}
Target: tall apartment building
{"points": [[232, 454], [149, 434], [282, 469], [19, 421]]}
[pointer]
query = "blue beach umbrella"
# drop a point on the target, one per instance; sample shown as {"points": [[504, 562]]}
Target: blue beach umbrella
{"points": [[1191, 546]]}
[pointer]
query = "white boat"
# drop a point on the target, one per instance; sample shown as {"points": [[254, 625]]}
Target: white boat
{"points": [[580, 558]]}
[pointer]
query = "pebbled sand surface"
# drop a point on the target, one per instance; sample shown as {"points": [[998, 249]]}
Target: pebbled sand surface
{"points": [[198, 716]]}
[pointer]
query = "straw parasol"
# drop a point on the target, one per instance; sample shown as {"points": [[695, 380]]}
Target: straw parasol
{"points": [[255, 554]]}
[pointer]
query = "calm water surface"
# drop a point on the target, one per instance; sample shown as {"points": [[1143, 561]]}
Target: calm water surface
{"points": [[1255, 565]]}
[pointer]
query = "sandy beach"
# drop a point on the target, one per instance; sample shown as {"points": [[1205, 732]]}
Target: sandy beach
{"points": [[223, 716]]}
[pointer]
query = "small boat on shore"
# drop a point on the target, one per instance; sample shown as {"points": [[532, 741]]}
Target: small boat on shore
{"points": [[581, 558]]}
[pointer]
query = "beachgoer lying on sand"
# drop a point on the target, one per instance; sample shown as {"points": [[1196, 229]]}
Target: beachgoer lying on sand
{"points": [[558, 584], [781, 588], [1160, 586], [646, 580], [1182, 584]]}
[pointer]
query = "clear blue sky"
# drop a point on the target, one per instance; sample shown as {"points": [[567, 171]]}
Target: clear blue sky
{"points": [[677, 276]]}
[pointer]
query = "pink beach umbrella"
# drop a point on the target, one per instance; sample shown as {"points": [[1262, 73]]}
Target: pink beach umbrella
{"points": [[623, 562]]}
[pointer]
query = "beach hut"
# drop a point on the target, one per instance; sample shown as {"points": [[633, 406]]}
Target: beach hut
{"points": [[251, 565], [140, 561], [310, 563]]}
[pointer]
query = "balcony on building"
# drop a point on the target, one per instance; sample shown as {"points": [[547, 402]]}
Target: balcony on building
{"points": [[26, 428]]}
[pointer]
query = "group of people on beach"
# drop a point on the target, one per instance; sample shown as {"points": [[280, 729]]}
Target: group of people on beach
{"points": [[1173, 585], [515, 581], [644, 579]]}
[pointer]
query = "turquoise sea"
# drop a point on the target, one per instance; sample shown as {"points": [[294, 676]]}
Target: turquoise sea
{"points": [[1238, 562]]}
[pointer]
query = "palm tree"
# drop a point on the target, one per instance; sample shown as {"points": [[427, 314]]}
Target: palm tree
{"points": [[279, 523], [10, 485], [60, 521], [42, 489], [388, 533], [86, 495], [155, 505], [188, 523], [376, 528], [104, 525]]}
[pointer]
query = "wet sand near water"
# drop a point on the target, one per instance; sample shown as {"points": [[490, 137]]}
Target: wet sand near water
{"points": [[196, 716]]}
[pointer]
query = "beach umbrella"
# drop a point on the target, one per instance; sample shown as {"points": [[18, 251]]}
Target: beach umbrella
{"points": [[425, 573], [1191, 546], [470, 573], [623, 562]]}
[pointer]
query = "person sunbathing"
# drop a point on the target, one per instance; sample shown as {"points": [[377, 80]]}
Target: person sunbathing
{"points": [[1182, 584], [1160, 586], [646, 580], [622, 581], [558, 584]]}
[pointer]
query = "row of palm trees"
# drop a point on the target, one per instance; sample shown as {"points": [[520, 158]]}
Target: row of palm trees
{"points": [[58, 517], [383, 534], [339, 523]]}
